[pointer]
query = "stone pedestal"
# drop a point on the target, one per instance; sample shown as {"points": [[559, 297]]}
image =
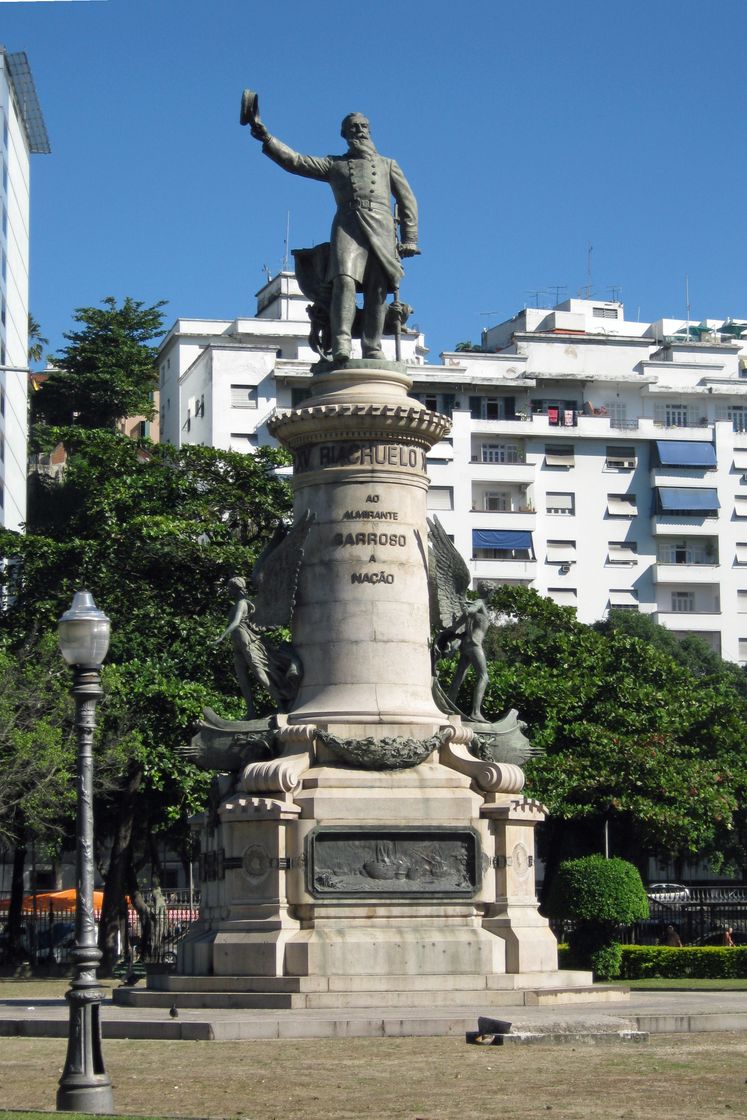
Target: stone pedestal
{"points": [[361, 625], [411, 873], [327, 869]]}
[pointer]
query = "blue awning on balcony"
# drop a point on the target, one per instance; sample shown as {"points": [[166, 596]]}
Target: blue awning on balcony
{"points": [[501, 538], [685, 453], [675, 499]]}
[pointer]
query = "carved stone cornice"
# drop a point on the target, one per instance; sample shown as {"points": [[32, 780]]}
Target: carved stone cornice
{"points": [[350, 420]]}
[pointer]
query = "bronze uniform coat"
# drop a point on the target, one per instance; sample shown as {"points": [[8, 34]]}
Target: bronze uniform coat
{"points": [[363, 186]]}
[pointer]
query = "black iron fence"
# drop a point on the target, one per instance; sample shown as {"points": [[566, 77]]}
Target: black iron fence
{"points": [[697, 922], [47, 936]]}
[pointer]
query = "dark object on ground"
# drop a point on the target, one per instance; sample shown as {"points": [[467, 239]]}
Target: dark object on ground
{"points": [[173, 1011]]}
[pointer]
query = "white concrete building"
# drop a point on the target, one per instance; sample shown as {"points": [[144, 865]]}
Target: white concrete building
{"points": [[601, 461], [22, 132], [221, 380]]}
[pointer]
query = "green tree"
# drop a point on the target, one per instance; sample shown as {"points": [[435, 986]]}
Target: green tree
{"points": [[629, 735], [107, 370], [36, 762], [154, 532], [37, 341]]}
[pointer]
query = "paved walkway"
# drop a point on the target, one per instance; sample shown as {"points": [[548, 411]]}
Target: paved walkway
{"points": [[650, 1012]]}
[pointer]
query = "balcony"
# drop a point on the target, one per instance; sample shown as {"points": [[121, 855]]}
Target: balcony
{"points": [[521, 517], [501, 472], [685, 573], [688, 620], [521, 571]]}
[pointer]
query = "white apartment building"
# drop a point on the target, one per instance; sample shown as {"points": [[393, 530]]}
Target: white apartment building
{"points": [[599, 460], [22, 132]]}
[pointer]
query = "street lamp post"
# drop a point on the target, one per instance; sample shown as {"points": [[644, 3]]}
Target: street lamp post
{"points": [[85, 1085]]}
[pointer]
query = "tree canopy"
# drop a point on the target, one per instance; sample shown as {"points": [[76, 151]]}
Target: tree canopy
{"points": [[107, 370], [154, 532], [631, 734]]}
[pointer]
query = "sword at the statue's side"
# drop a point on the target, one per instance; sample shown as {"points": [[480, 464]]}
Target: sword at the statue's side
{"points": [[402, 250]]}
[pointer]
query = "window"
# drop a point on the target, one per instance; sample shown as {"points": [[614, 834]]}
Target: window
{"points": [[741, 556], [559, 455], [561, 552], [492, 408], [559, 412], [617, 412], [563, 596], [687, 501], [743, 649], [2, 402], [496, 501], [243, 396], [702, 550], [501, 453], [502, 544], [561, 503], [740, 506], [241, 441], [672, 415], [623, 598], [621, 505], [622, 552], [683, 601], [605, 312], [441, 497], [737, 413], [620, 458], [741, 602]]}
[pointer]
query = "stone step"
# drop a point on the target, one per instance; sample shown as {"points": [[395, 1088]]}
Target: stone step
{"points": [[171, 982], [435, 998]]}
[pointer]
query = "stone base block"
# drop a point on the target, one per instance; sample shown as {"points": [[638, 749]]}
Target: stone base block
{"points": [[390, 952]]}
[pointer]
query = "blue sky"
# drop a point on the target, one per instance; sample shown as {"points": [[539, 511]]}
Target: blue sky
{"points": [[528, 131]]}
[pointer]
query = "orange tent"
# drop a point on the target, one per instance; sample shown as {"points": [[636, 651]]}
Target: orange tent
{"points": [[56, 901]]}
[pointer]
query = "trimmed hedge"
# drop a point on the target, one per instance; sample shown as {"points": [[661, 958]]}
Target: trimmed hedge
{"points": [[598, 891], [706, 962], [643, 962]]}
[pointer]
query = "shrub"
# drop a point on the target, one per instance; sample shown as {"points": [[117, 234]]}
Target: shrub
{"points": [[597, 890], [707, 962], [597, 895], [606, 961]]}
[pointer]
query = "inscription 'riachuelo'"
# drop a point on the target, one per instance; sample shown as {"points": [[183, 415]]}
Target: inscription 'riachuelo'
{"points": [[359, 455]]}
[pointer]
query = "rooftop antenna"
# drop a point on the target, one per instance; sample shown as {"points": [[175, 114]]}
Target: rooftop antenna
{"points": [[287, 241], [558, 288], [268, 272], [615, 291], [687, 302], [536, 292]]}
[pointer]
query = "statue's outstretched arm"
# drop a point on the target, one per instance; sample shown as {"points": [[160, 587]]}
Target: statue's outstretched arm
{"points": [[311, 167]]}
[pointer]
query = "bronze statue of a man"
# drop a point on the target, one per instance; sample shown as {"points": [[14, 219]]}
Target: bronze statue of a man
{"points": [[364, 251]]}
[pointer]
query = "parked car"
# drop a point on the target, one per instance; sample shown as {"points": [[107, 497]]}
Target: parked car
{"points": [[668, 894]]}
